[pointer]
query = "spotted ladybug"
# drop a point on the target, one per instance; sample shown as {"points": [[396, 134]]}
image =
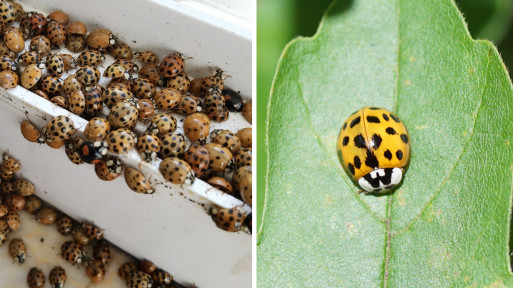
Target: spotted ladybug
{"points": [[374, 147], [229, 219], [137, 182], [17, 250], [57, 277], [108, 169], [171, 65], [73, 252], [92, 152], [176, 171], [148, 145], [198, 159], [121, 140], [36, 278]]}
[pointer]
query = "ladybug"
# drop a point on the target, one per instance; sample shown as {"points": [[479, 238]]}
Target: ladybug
{"points": [[76, 43], [6, 63], [46, 216], [101, 252], [76, 102], [139, 279], [8, 11], [245, 188], [94, 101], [126, 269], [60, 101], [221, 184], [13, 38], [244, 157], [121, 51], [59, 128], [233, 100], [373, 147], [150, 72], [97, 129], [17, 250], [147, 57], [58, 16], [114, 94], [68, 60], [64, 225], [116, 70], [246, 137], [56, 32], [171, 65], [100, 39], [161, 277], [76, 28], [215, 81], [35, 278], [73, 252], [188, 104], [146, 109], [95, 271], [24, 187], [55, 65], [130, 66], [32, 204], [71, 149], [143, 88], [167, 98], [42, 94], [227, 139], [176, 171], [30, 57], [88, 75], [92, 152], [4, 209], [8, 79], [92, 232], [108, 169], [90, 57], [15, 202], [3, 235], [123, 114], [71, 84], [80, 236], [239, 174], [180, 82], [51, 85], [121, 140], [10, 165], [34, 23], [13, 220], [229, 219], [148, 145], [172, 145], [162, 123], [30, 76], [57, 277], [41, 45], [147, 266], [220, 157], [121, 82], [196, 127], [137, 182], [247, 111]]}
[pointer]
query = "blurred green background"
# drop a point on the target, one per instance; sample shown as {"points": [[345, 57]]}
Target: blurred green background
{"points": [[279, 21]]}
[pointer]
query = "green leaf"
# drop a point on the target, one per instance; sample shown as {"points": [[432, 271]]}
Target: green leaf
{"points": [[447, 224]]}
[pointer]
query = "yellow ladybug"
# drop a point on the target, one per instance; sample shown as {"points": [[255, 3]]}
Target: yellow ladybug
{"points": [[373, 146]]}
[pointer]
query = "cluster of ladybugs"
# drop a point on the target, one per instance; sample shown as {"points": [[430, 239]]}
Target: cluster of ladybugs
{"points": [[147, 95], [18, 195]]}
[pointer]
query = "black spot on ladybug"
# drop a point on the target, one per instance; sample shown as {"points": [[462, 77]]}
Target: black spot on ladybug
{"points": [[354, 122], [388, 155], [350, 167], [371, 160], [357, 162], [375, 141], [344, 126], [404, 137], [359, 141], [399, 154], [374, 108], [395, 118], [373, 119], [345, 141], [390, 130]]}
